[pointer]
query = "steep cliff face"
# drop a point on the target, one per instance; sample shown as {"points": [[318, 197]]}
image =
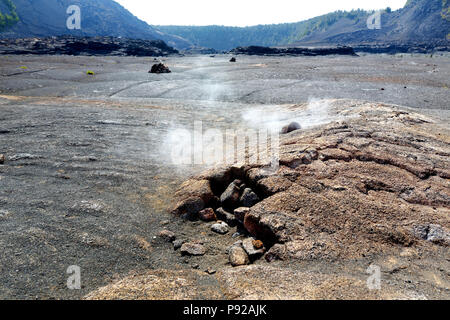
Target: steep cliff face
{"points": [[419, 20], [424, 21], [41, 18]]}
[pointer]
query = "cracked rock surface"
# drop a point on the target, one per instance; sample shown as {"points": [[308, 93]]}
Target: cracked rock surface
{"points": [[369, 189]]}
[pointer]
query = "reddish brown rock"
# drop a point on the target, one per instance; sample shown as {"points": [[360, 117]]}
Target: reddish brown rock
{"points": [[240, 213], [354, 188], [207, 215], [271, 185], [257, 244], [193, 196]]}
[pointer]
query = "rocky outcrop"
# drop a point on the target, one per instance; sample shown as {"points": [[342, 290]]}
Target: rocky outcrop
{"points": [[266, 51], [394, 47], [102, 46], [47, 18], [375, 182], [371, 188]]}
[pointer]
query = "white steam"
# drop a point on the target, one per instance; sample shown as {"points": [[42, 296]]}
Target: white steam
{"points": [[275, 118]]}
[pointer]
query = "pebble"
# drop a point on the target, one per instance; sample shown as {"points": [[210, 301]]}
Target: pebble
{"points": [[193, 249], [210, 271], [207, 215], [220, 227], [165, 222], [177, 244], [257, 244], [248, 246], [167, 235], [229, 218]]}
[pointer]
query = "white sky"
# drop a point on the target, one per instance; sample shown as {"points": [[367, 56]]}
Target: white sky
{"points": [[243, 12]]}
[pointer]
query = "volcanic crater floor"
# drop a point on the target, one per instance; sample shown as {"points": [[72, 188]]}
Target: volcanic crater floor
{"points": [[88, 178]]}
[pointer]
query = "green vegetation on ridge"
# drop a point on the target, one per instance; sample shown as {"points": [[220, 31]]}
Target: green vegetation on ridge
{"points": [[445, 10], [8, 19], [225, 38]]}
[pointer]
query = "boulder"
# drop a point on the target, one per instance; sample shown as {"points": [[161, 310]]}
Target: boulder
{"points": [[233, 59], [2, 158], [230, 197]]}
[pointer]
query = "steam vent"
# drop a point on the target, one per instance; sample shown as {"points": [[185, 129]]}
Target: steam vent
{"points": [[372, 185]]}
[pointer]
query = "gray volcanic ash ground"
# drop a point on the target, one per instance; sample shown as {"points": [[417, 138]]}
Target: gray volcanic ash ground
{"points": [[88, 177]]}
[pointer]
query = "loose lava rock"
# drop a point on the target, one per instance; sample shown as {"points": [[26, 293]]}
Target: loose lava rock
{"points": [[220, 227], [248, 245], [257, 244], [229, 218], [207, 215], [167, 235], [293, 126], [249, 198], [193, 249], [240, 213], [237, 256], [230, 197], [178, 243]]}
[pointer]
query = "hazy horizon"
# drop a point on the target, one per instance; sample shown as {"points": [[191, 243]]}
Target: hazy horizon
{"points": [[243, 13]]}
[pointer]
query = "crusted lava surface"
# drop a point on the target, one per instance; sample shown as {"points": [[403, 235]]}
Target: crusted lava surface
{"points": [[372, 187]]}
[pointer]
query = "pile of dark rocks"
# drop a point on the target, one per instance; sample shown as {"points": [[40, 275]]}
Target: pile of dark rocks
{"points": [[159, 68], [226, 212]]}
